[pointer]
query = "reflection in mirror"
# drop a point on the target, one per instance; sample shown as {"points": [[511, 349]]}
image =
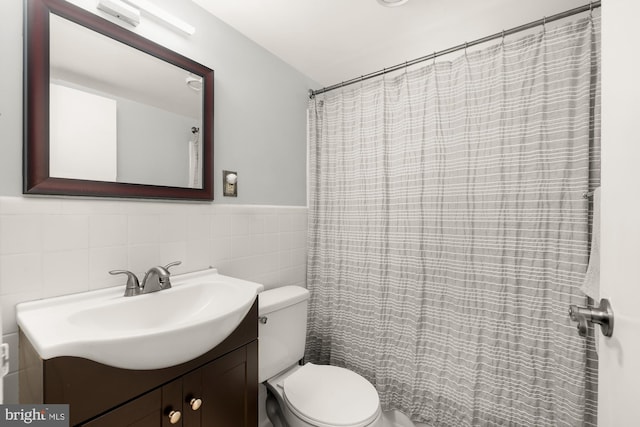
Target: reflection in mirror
{"points": [[110, 121], [110, 113]]}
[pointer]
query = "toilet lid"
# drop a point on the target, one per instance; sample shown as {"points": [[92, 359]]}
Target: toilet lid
{"points": [[328, 395]]}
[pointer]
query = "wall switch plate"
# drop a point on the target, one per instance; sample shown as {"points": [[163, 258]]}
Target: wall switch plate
{"points": [[229, 184]]}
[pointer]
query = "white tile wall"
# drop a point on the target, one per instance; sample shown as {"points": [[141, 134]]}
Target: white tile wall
{"points": [[55, 246]]}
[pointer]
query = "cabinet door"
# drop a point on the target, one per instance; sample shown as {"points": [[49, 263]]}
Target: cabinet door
{"points": [[230, 389], [142, 412], [172, 412], [193, 399]]}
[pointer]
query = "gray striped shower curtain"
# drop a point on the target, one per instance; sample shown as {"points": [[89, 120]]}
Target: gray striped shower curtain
{"points": [[448, 234]]}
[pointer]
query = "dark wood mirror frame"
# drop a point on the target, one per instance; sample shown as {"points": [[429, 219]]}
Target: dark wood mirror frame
{"points": [[36, 178]]}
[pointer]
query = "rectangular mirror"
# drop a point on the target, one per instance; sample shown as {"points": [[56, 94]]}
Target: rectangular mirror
{"points": [[109, 113]]}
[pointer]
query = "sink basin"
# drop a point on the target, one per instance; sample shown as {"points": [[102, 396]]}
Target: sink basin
{"points": [[149, 331]]}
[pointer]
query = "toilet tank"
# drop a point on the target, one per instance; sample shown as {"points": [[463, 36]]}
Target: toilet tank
{"points": [[282, 330]]}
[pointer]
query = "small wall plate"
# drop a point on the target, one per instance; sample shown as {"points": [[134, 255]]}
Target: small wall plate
{"points": [[229, 184]]}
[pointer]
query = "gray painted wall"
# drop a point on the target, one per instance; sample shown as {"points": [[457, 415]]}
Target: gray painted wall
{"points": [[259, 112]]}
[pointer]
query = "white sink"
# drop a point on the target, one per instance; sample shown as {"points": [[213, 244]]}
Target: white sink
{"points": [[149, 331]]}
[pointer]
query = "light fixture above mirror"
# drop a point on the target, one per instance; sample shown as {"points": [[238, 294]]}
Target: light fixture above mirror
{"points": [[130, 11], [120, 10]]}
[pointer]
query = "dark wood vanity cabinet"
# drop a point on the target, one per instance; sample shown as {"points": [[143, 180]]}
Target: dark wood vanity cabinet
{"points": [[216, 394], [219, 388], [145, 411]]}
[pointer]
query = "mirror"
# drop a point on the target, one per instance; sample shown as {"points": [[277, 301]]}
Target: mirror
{"points": [[109, 113]]}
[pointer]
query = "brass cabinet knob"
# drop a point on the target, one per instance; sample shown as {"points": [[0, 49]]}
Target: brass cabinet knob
{"points": [[174, 417], [195, 403]]}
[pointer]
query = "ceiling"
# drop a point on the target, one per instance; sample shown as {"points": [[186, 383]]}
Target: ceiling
{"points": [[335, 40]]}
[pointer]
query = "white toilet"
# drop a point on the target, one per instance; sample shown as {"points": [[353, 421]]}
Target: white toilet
{"points": [[308, 395]]}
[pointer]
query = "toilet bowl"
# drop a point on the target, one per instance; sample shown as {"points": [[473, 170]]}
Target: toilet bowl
{"points": [[306, 395], [325, 396]]}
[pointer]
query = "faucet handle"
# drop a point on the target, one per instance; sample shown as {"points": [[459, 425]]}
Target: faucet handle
{"points": [[164, 279], [133, 285], [172, 264]]}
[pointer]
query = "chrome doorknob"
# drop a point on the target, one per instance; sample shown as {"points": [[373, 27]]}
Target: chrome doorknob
{"points": [[602, 315]]}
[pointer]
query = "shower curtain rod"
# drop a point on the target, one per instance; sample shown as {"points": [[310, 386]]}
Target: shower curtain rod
{"points": [[502, 34]]}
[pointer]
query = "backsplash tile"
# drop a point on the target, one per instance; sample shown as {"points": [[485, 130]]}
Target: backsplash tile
{"points": [[21, 233], [199, 227], [107, 230], [198, 256], [20, 273], [101, 261], [144, 229], [65, 272], [140, 257], [57, 246], [65, 232]]}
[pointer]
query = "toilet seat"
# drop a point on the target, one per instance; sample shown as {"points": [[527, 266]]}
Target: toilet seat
{"points": [[324, 396]]}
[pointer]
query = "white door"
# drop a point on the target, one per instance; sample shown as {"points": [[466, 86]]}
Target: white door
{"points": [[619, 369]]}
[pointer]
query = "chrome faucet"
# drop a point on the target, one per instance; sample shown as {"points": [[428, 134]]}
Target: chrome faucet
{"points": [[133, 286], [156, 279]]}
